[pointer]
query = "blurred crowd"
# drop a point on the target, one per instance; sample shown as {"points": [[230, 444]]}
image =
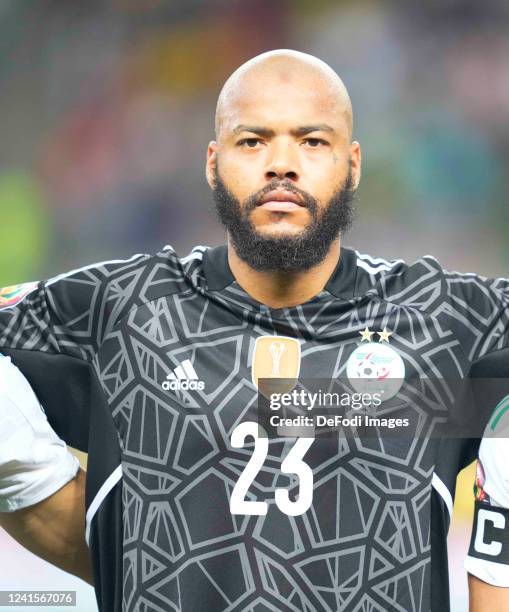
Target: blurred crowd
{"points": [[107, 108]]}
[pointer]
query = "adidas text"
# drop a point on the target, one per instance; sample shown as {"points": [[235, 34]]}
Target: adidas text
{"points": [[183, 385]]}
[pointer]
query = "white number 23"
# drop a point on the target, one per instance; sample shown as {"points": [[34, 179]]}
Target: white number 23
{"points": [[293, 464]]}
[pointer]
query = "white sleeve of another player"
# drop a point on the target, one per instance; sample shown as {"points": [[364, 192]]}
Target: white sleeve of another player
{"points": [[34, 461], [488, 557], [494, 456]]}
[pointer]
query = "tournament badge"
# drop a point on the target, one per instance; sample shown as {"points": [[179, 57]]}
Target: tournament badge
{"points": [[275, 357], [12, 295], [275, 370], [376, 367]]}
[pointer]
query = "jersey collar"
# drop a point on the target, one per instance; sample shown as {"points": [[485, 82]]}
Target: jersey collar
{"points": [[218, 274]]}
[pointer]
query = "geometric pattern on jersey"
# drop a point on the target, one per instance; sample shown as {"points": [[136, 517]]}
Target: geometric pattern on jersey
{"points": [[365, 542]]}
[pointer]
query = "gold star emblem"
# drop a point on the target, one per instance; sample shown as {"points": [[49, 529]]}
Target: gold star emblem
{"points": [[384, 335], [366, 335]]}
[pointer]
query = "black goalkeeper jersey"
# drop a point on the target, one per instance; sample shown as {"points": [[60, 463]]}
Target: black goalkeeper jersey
{"points": [[147, 364]]}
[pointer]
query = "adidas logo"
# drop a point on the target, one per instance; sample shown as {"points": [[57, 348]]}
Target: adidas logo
{"points": [[183, 378]]}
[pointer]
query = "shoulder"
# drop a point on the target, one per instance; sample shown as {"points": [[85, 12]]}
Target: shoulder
{"points": [[415, 283], [136, 276], [82, 305]]}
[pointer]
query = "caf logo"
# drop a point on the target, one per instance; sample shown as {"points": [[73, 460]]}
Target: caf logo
{"points": [[12, 295], [376, 368]]}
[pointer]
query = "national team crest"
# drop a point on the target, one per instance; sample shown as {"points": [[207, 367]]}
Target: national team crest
{"points": [[12, 295], [376, 366], [276, 357]]}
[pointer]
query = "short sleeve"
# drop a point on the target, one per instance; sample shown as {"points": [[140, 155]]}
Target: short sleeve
{"points": [[488, 555], [478, 310], [53, 329], [34, 461]]}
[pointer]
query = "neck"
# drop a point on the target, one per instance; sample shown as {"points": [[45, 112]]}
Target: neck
{"points": [[282, 289]]}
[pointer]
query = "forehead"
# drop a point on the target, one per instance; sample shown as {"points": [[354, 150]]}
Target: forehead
{"points": [[282, 104]]}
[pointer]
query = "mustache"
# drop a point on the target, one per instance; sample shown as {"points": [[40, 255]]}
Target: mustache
{"points": [[307, 200]]}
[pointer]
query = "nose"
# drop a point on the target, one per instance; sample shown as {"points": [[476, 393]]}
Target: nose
{"points": [[282, 162]]}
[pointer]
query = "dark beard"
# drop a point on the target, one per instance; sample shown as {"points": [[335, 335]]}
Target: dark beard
{"points": [[285, 253]]}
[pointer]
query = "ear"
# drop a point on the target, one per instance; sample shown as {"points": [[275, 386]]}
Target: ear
{"points": [[356, 162], [211, 164]]}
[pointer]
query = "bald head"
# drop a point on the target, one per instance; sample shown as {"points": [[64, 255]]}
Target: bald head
{"points": [[266, 74]]}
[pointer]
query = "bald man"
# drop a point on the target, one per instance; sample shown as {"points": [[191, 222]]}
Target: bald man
{"points": [[203, 494], [283, 171]]}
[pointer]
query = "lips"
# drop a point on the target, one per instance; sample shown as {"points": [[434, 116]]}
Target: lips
{"points": [[279, 195]]}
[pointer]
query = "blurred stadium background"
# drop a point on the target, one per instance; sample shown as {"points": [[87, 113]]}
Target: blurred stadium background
{"points": [[106, 109]]}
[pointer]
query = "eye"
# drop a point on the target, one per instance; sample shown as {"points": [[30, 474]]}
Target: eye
{"points": [[315, 143], [249, 143]]}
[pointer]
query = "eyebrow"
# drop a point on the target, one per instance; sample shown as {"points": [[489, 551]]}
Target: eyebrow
{"points": [[268, 133], [307, 129]]}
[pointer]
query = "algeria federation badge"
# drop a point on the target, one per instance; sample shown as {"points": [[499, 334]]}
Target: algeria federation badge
{"points": [[12, 295], [376, 366]]}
